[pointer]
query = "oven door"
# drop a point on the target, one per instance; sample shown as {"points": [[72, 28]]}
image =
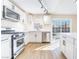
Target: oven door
{"points": [[18, 44]]}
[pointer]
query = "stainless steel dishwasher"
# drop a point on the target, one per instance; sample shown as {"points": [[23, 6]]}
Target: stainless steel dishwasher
{"points": [[46, 37]]}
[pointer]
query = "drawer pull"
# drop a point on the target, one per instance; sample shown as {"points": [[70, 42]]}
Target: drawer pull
{"points": [[64, 43], [4, 40]]}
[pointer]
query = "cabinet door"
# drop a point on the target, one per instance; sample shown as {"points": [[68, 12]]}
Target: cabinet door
{"points": [[26, 40], [35, 36], [32, 36], [5, 49], [7, 3], [69, 50], [75, 49], [38, 37], [63, 44], [48, 37], [67, 47]]}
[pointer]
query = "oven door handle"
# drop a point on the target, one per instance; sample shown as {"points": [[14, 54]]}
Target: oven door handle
{"points": [[4, 40]]}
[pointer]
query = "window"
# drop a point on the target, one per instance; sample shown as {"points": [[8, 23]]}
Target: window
{"points": [[66, 26], [61, 25]]}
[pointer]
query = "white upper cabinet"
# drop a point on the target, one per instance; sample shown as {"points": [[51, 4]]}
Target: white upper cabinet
{"points": [[10, 5], [7, 3], [21, 13]]}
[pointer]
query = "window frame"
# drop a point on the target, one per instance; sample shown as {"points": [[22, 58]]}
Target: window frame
{"points": [[60, 19]]}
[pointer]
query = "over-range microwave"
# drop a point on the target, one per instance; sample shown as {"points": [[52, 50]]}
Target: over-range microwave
{"points": [[10, 14]]}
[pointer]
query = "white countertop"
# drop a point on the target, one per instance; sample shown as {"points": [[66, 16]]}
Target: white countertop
{"points": [[38, 31], [71, 35]]}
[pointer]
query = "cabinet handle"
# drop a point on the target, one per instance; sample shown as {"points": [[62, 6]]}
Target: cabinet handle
{"points": [[4, 40], [64, 42], [35, 35], [64, 37]]}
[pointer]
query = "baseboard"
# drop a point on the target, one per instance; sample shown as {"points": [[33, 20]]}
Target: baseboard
{"points": [[27, 44], [32, 43], [45, 42], [35, 42]]}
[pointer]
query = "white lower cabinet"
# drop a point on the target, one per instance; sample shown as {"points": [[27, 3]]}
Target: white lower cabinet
{"points": [[35, 36], [38, 37], [67, 47], [26, 40], [5, 46], [5, 50], [69, 50]]}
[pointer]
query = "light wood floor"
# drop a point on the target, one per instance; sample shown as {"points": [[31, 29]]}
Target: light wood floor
{"points": [[31, 51]]}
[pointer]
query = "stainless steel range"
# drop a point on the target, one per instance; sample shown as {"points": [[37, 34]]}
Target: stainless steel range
{"points": [[12, 43], [17, 43]]}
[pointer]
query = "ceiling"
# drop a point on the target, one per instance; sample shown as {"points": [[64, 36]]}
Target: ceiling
{"points": [[53, 6]]}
